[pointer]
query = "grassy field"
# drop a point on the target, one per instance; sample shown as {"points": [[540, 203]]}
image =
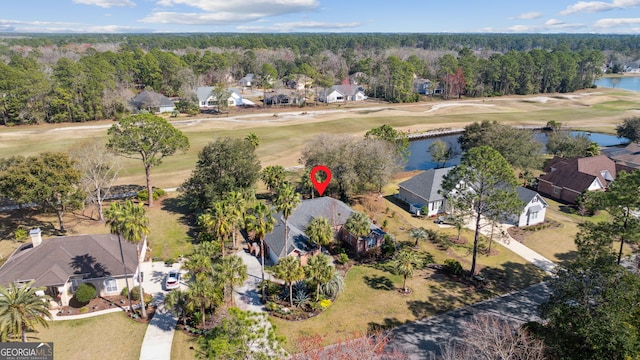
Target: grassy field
{"points": [[283, 136], [111, 336]]}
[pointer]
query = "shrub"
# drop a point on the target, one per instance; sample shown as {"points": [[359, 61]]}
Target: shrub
{"points": [[20, 234], [388, 247], [325, 303], [385, 223], [300, 298], [135, 293], [85, 292], [271, 306], [143, 195], [453, 267], [342, 258], [83, 310]]}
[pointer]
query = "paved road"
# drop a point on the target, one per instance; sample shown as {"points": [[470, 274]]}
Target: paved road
{"points": [[422, 339]]}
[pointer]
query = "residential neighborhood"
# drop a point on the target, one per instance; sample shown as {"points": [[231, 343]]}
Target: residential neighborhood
{"points": [[309, 196]]}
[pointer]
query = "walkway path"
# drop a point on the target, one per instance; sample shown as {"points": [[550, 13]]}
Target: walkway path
{"points": [[423, 339], [157, 341], [501, 235], [247, 296]]}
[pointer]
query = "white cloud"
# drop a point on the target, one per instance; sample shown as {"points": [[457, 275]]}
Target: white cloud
{"points": [[299, 25], [530, 15], [106, 3], [598, 6], [167, 17], [212, 12], [64, 27], [548, 26], [269, 7], [609, 23]]}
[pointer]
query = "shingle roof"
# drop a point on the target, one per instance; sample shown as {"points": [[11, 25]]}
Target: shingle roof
{"points": [[578, 173], [335, 211], [55, 259], [526, 195], [151, 99], [427, 184]]}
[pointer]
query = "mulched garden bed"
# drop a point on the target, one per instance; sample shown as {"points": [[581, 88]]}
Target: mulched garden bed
{"points": [[102, 303], [521, 233]]}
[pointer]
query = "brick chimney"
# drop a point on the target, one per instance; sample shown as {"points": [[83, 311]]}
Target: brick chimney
{"points": [[36, 237]]}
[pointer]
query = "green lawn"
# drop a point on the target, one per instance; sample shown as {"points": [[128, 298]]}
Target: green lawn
{"points": [[181, 346], [169, 236], [111, 336]]}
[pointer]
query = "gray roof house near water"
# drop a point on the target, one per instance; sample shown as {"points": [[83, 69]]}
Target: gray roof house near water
{"points": [[423, 190], [335, 211]]}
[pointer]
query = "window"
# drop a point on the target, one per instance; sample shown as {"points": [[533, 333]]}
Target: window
{"points": [[111, 285], [371, 242], [533, 215], [556, 190]]}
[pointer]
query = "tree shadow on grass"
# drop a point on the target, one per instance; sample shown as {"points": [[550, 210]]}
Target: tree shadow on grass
{"points": [[175, 206], [386, 324], [379, 282], [513, 276], [11, 220], [565, 258]]}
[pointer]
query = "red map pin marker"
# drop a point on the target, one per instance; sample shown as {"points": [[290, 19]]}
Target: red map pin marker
{"points": [[320, 186]]}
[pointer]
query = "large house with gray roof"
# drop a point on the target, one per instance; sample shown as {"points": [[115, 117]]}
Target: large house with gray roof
{"points": [[335, 211], [342, 93], [153, 102], [423, 191], [61, 264]]}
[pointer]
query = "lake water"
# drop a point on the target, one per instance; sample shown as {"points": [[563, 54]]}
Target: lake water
{"points": [[626, 83], [420, 159]]}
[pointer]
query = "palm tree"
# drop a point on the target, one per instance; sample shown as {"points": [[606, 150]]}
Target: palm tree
{"points": [[230, 271], [21, 309], [262, 222], [287, 199], [418, 234], [216, 221], [202, 295], [116, 220], [235, 203], [404, 264], [253, 139], [289, 270], [136, 229], [273, 176], [176, 302], [306, 183], [319, 231], [319, 271], [358, 225]]}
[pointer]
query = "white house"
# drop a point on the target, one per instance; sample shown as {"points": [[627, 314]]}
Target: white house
{"points": [[206, 101], [534, 210], [424, 191], [247, 81], [342, 93]]}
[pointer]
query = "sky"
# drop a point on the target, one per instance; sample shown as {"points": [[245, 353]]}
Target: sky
{"points": [[283, 16]]}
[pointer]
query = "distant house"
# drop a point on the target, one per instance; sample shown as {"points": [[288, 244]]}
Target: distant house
{"points": [[627, 157], [342, 93], [61, 264], [423, 191], [422, 86], [206, 101], [283, 97], [152, 102], [566, 179], [534, 210], [335, 211], [298, 82], [247, 81]]}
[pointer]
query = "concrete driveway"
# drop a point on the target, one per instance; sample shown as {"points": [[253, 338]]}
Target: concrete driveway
{"points": [[158, 338]]}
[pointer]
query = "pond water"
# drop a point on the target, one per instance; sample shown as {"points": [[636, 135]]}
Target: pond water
{"points": [[420, 159], [626, 83]]}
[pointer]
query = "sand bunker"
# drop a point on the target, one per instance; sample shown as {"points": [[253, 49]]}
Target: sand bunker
{"points": [[456, 104]]}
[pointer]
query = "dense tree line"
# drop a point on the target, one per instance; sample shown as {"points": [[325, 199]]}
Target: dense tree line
{"points": [[50, 84], [316, 43]]}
